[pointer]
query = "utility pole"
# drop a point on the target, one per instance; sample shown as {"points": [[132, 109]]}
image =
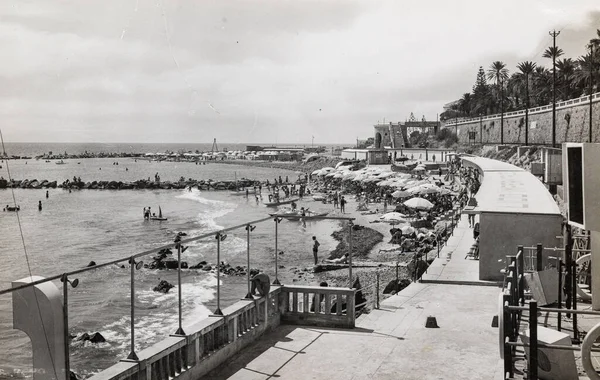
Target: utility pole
{"points": [[501, 112], [554, 34], [591, 85]]}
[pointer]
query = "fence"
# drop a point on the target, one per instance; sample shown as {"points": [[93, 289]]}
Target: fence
{"points": [[212, 340], [513, 304], [532, 111]]}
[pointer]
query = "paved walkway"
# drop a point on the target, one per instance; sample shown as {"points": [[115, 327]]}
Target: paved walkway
{"points": [[392, 342]]}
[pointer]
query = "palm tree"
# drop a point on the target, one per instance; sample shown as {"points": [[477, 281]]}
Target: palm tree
{"points": [[526, 69], [498, 73], [542, 85], [465, 104], [566, 71]]}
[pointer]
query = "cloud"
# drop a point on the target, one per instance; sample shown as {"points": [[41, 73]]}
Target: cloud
{"points": [[254, 71]]}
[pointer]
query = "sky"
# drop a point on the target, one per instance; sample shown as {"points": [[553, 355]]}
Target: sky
{"points": [[250, 71]]}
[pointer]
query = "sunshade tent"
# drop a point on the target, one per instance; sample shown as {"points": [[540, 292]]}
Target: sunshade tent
{"points": [[400, 194], [419, 204], [394, 217], [407, 230]]}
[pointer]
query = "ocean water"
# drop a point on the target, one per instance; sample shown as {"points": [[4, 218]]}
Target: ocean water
{"points": [[101, 225], [36, 149]]}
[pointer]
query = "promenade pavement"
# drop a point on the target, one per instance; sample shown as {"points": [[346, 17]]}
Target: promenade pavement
{"points": [[392, 342]]}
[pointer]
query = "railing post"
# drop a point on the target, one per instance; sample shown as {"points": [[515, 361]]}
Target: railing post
{"points": [[350, 224], [65, 280], [133, 265], [533, 343], [520, 274], [568, 241], [538, 260], [377, 290], [248, 229], [507, 328], [220, 237], [180, 318], [574, 288], [276, 281], [560, 292]]}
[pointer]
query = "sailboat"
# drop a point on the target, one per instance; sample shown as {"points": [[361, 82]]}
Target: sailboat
{"points": [[159, 217]]}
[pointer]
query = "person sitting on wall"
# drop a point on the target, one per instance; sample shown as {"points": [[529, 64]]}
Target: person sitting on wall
{"points": [[261, 283]]}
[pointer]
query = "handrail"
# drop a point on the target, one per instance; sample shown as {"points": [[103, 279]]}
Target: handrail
{"points": [[564, 104], [144, 253]]}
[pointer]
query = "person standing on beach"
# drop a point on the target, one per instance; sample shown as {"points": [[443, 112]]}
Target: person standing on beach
{"points": [[316, 245], [47, 194], [343, 205]]}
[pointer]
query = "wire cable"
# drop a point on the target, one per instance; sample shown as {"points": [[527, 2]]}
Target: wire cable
{"points": [[52, 359]]}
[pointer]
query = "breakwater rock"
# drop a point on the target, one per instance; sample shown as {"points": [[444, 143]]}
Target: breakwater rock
{"points": [[120, 185]]}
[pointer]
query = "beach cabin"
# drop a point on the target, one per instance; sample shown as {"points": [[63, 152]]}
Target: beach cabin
{"points": [[513, 208]]}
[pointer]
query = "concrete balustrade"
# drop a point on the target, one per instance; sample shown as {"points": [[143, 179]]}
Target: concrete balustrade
{"points": [[213, 340]]}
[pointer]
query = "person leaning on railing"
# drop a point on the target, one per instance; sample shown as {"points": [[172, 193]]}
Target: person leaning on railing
{"points": [[261, 283]]}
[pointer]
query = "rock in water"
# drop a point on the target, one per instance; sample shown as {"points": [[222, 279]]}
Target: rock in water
{"points": [[97, 338], [163, 287], [94, 338]]}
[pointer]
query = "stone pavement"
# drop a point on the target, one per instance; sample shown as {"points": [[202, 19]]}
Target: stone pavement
{"points": [[392, 342]]}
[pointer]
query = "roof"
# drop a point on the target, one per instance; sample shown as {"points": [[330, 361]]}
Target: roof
{"points": [[506, 188]]}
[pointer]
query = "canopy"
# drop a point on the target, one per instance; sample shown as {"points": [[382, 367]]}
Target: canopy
{"points": [[407, 230], [418, 203], [394, 217], [400, 194]]}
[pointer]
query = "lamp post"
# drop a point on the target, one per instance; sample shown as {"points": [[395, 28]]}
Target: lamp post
{"points": [[591, 87]]}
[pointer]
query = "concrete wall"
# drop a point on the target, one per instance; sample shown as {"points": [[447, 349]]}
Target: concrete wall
{"points": [[501, 233], [572, 123]]}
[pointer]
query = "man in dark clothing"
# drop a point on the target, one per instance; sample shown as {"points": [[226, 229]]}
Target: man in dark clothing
{"points": [[316, 245]]}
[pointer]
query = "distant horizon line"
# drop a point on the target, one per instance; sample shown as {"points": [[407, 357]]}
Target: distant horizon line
{"points": [[165, 143]]}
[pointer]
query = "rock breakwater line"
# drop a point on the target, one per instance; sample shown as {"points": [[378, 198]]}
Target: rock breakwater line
{"points": [[136, 185]]}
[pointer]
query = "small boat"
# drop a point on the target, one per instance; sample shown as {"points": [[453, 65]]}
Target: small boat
{"points": [[159, 217], [243, 191], [296, 215], [61, 162], [284, 201], [11, 208]]}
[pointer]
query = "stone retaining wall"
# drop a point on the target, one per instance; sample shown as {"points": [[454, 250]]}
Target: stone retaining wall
{"points": [[572, 124]]}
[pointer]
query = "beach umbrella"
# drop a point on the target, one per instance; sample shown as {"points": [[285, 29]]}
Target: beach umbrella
{"points": [[385, 174], [400, 194], [349, 176], [418, 169], [407, 230], [328, 169], [418, 203], [394, 217], [329, 175], [430, 190], [316, 172]]}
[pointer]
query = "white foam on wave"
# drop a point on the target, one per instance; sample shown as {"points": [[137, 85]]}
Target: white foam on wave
{"points": [[215, 209], [163, 318]]}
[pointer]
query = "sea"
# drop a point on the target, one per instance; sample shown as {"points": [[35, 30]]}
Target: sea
{"points": [[74, 228]]}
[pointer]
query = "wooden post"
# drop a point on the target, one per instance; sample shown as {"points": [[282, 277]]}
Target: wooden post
{"points": [[533, 343], [507, 328], [560, 292], [538, 259]]}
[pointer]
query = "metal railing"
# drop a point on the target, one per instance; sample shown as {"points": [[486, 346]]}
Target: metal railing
{"points": [[564, 104], [530, 259], [177, 356]]}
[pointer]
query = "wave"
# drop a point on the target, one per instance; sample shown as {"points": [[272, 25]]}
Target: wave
{"points": [[216, 209], [163, 317]]}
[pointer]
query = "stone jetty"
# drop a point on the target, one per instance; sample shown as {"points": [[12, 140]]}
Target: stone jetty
{"points": [[119, 185]]}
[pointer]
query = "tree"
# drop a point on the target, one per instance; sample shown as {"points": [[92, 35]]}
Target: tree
{"points": [[481, 94], [526, 69], [498, 74], [465, 104], [566, 71], [542, 86]]}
